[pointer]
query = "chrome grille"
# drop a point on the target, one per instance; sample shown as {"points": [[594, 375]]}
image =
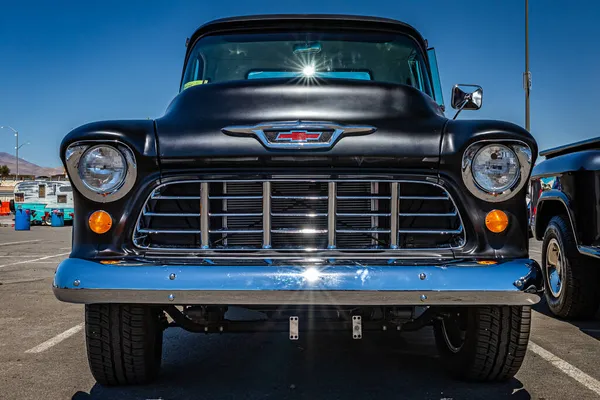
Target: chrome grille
{"points": [[299, 214]]}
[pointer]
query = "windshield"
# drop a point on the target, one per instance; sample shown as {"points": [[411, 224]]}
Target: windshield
{"points": [[392, 58]]}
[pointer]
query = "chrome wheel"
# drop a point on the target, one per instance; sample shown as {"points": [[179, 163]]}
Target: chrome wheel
{"points": [[554, 267], [454, 332]]}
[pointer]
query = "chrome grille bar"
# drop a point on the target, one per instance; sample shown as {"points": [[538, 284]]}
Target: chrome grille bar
{"points": [[311, 215], [331, 210], [234, 197], [179, 231], [451, 214], [204, 217], [155, 214], [235, 214], [175, 198], [235, 231], [300, 197], [363, 231], [307, 231], [266, 207], [374, 207], [431, 232], [369, 214], [363, 197], [394, 211], [424, 197], [225, 211]]}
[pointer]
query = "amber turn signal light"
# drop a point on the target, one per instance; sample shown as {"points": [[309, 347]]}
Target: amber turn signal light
{"points": [[100, 222], [496, 221]]}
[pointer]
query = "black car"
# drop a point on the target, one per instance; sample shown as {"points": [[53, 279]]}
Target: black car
{"points": [[566, 215], [306, 171]]}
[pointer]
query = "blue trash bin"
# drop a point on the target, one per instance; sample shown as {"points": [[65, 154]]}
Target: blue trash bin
{"points": [[22, 220], [58, 217]]}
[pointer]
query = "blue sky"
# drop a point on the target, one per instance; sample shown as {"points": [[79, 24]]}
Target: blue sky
{"points": [[63, 64]]}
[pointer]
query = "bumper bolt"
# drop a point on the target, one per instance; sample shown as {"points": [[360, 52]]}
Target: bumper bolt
{"points": [[423, 297], [422, 276], [385, 328], [171, 297], [519, 283], [172, 277], [76, 282]]}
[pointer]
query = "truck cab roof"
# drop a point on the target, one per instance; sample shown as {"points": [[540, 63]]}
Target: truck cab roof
{"points": [[304, 21]]}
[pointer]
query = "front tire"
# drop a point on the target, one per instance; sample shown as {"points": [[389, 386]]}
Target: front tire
{"points": [[483, 344], [571, 281], [124, 343]]}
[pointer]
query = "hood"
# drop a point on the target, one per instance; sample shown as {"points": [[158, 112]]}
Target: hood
{"points": [[389, 123]]}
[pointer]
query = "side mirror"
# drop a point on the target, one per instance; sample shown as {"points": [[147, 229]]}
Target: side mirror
{"points": [[466, 97]]}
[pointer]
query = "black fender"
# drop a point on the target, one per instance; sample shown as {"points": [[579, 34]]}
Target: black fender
{"points": [[587, 160], [547, 207], [140, 137]]}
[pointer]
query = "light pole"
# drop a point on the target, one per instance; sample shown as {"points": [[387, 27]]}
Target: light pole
{"points": [[527, 74], [16, 148], [24, 144], [17, 151]]}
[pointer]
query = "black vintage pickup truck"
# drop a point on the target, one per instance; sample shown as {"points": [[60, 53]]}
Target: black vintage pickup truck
{"points": [[306, 171], [565, 214]]}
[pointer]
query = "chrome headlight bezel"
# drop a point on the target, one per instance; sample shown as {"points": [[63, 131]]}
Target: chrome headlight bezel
{"points": [[523, 154], [73, 156]]}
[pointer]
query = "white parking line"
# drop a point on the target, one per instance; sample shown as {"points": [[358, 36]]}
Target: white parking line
{"points": [[43, 262], [36, 259], [23, 256], [55, 340], [566, 368], [23, 241]]}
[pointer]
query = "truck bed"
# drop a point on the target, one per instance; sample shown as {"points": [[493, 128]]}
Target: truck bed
{"points": [[587, 144]]}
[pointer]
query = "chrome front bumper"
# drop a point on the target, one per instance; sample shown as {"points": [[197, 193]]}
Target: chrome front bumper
{"points": [[514, 282]]}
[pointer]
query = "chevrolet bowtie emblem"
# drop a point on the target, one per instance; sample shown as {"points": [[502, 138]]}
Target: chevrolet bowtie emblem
{"points": [[295, 135], [298, 136]]}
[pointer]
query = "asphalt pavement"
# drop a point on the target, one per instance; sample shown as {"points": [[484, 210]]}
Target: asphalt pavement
{"points": [[42, 351]]}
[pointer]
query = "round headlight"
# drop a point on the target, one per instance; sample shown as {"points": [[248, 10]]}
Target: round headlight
{"points": [[102, 169], [495, 168]]}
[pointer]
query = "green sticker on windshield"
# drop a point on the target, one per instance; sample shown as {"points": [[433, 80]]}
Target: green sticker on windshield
{"points": [[194, 83]]}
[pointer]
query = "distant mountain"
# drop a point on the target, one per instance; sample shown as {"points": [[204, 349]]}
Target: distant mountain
{"points": [[26, 167]]}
